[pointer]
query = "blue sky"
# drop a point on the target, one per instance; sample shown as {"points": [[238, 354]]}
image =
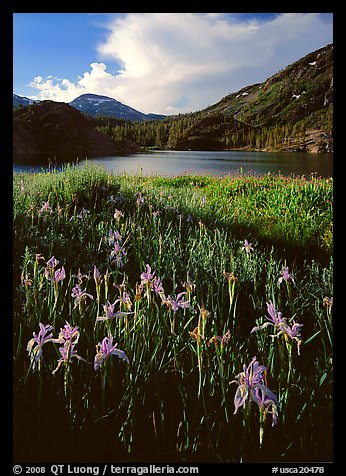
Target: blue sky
{"points": [[158, 62]]}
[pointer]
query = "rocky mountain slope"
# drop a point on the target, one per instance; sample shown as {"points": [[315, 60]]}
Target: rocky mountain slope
{"points": [[57, 129], [298, 97]]}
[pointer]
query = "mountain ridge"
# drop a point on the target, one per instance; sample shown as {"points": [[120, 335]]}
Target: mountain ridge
{"points": [[97, 105]]}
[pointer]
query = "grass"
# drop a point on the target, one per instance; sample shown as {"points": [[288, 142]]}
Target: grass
{"points": [[174, 400]]}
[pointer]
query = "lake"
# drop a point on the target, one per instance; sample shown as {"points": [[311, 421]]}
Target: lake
{"points": [[216, 163]]}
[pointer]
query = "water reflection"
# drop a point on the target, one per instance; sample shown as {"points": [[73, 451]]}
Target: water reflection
{"points": [[219, 163]]}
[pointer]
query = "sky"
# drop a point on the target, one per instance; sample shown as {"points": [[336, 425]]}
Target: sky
{"points": [[164, 63]]}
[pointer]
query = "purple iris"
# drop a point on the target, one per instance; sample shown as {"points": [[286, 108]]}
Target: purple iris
{"points": [[110, 312], [157, 286], [177, 303], [247, 246], [79, 295], [275, 318], [286, 276], [148, 276], [59, 275], [105, 349], [251, 387], [34, 346]]}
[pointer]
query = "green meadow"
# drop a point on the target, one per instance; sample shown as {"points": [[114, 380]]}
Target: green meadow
{"points": [[184, 319]]}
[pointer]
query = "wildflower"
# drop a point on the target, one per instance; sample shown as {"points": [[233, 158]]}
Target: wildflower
{"points": [[117, 255], [219, 339], [105, 349], [157, 286], [27, 281], [177, 303], [148, 276], [281, 325], [251, 387], [266, 400], [125, 300], [113, 237], [35, 345], [38, 257], [140, 199], [196, 334], [204, 313], [68, 337], [110, 313], [59, 275], [286, 276], [52, 275], [67, 352], [52, 263], [247, 247], [118, 214], [189, 286], [45, 209], [83, 213], [139, 290], [79, 295], [68, 333]]}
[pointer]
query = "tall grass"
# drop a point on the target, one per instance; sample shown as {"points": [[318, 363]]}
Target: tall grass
{"points": [[174, 399]]}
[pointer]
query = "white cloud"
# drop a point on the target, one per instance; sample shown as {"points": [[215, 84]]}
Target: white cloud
{"points": [[178, 62]]}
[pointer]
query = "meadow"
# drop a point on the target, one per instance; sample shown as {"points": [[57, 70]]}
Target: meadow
{"points": [[184, 319]]}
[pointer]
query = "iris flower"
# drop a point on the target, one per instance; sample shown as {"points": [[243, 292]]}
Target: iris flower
{"points": [[247, 247], [148, 276], [68, 336], [275, 319], [118, 254], [105, 349], [157, 286], [266, 401], [286, 276], [110, 313], [118, 214], [251, 388], [52, 263], [45, 209], [177, 303], [219, 339], [67, 352], [35, 345], [79, 295], [59, 275]]}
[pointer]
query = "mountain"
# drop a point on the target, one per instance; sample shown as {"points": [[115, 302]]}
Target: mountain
{"points": [[57, 129], [93, 104], [293, 110], [22, 101]]}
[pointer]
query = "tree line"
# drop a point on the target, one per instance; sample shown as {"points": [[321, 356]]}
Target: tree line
{"points": [[179, 131]]}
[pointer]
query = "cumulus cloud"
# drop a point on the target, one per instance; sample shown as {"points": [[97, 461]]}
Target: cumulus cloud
{"points": [[179, 62]]}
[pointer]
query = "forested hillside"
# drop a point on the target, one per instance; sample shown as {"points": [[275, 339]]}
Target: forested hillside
{"points": [[292, 110]]}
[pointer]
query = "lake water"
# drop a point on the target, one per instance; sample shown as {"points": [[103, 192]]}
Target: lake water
{"points": [[218, 163]]}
